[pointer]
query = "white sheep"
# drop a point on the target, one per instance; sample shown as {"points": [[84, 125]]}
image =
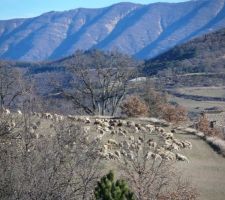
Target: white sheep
{"points": [[19, 112], [181, 157], [99, 137], [112, 156], [48, 116], [153, 144], [6, 111], [187, 144], [131, 138], [117, 153], [71, 117], [113, 142], [149, 155], [150, 127]]}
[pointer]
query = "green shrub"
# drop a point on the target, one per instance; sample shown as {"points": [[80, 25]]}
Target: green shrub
{"points": [[108, 189]]}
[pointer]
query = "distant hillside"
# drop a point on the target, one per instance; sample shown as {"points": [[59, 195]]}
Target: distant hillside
{"points": [[143, 31], [203, 54]]}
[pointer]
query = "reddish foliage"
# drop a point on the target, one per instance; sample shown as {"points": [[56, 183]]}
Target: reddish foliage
{"points": [[134, 107], [175, 114], [203, 125]]}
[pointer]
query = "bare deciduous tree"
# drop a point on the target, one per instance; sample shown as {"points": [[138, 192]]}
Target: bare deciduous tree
{"points": [[63, 165], [99, 82]]}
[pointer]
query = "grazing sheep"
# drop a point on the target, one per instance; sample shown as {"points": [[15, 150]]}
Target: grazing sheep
{"points": [[141, 139], [113, 132], [34, 114], [186, 144], [112, 123], [98, 122], [150, 127], [121, 133], [13, 124], [131, 138], [6, 111], [149, 155], [86, 129], [113, 142], [167, 135], [130, 124], [152, 144], [181, 157], [143, 129], [130, 155], [98, 137], [87, 120], [34, 126], [47, 116], [58, 118], [170, 155], [123, 152], [117, 153], [156, 156], [175, 147], [136, 129], [71, 117], [160, 129], [177, 142], [120, 123], [19, 112]]}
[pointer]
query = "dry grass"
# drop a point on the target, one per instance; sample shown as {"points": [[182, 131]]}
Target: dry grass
{"points": [[203, 91], [217, 143], [206, 169], [196, 106]]}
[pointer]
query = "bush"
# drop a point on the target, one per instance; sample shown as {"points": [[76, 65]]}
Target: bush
{"points": [[134, 107], [154, 101], [175, 114], [107, 189], [203, 125]]}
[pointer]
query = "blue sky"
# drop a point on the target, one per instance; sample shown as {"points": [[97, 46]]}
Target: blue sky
{"points": [[29, 8]]}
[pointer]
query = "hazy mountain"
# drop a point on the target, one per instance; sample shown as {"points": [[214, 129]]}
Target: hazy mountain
{"points": [[203, 54], [140, 30]]}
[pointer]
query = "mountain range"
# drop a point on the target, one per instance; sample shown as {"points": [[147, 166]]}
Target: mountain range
{"points": [[143, 31]]}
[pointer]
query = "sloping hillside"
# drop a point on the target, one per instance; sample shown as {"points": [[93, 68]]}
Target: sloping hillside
{"points": [[203, 54], [140, 30]]}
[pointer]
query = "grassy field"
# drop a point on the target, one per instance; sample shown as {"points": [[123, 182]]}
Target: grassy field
{"points": [[197, 106], [203, 91], [206, 169]]}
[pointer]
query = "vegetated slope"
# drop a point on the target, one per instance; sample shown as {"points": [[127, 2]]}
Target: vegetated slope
{"points": [[203, 54], [140, 30]]}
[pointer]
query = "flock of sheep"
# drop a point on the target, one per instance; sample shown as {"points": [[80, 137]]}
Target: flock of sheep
{"points": [[123, 137]]}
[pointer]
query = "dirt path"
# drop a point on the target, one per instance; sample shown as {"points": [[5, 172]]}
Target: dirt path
{"points": [[206, 169]]}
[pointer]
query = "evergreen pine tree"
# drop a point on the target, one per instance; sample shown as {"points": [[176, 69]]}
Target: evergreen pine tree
{"points": [[108, 189]]}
